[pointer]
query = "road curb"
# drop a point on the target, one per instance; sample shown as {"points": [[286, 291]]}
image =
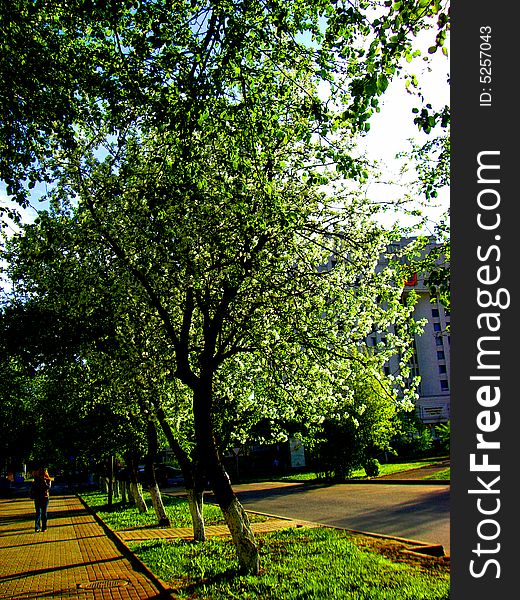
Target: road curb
{"points": [[389, 481], [416, 545]]}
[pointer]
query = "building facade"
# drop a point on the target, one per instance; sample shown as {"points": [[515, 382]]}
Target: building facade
{"points": [[432, 358]]}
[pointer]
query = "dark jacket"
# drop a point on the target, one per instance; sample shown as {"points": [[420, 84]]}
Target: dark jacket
{"points": [[40, 488]]}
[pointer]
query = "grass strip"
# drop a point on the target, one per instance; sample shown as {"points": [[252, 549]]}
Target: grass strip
{"points": [[385, 469], [297, 564], [127, 516], [445, 474]]}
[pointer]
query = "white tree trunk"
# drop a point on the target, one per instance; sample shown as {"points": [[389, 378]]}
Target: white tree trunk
{"points": [[158, 506], [136, 491], [243, 537], [196, 503]]}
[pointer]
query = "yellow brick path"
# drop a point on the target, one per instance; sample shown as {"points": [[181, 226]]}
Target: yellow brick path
{"points": [[165, 533], [74, 558]]}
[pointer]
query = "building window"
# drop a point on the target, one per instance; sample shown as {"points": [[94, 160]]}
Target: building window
{"points": [[436, 327], [435, 313], [438, 340], [442, 369], [444, 385], [440, 355]]}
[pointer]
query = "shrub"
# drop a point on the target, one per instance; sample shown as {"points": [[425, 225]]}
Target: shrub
{"points": [[414, 438], [360, 429], [443, 432], [372, 467]]}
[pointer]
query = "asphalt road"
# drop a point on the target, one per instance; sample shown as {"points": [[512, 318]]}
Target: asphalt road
{"points": [[417, 512]]}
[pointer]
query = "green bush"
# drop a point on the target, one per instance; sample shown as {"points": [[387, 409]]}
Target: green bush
{"points": [[359, 429], [443, 432], [372, 467], [414, 438]]}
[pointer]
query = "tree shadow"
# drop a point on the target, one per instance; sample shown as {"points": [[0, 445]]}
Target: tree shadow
{"points": [[192, 589]]}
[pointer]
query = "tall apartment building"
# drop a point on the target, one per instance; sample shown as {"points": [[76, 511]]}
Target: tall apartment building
{"points": [[431, 359]]}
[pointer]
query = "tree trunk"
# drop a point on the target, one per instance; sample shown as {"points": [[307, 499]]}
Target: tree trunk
{"points": [[234, 514], [243, 537], [193, 483], [123, 486], [137, 495], [149, 471], [236, 518], [196, 504], [111, 481], [135, 486], [158, 506]]}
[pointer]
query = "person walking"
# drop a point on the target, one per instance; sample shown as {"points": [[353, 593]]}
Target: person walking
{"points": [[40, 494]]}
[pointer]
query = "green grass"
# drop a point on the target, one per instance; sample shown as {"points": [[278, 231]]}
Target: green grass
{"points": [[444, 474], [390, 468], [297, 564], [128, 517], [385, 469]]}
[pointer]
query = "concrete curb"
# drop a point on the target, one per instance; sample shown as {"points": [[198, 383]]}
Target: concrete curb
{"points": [[416, 545], [382, 481]]}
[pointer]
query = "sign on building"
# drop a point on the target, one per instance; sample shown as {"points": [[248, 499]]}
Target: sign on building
{"points": [[297, 453]]}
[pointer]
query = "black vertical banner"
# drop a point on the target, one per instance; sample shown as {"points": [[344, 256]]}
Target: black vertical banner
{"points": [[485, 361]]}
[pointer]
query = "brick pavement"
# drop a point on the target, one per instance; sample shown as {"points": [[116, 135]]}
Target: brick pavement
{"points": [[271, 524], [74, 558]]}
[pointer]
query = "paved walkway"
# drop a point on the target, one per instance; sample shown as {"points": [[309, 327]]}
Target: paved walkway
{"points": [[272, 523], [74, 558]]}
